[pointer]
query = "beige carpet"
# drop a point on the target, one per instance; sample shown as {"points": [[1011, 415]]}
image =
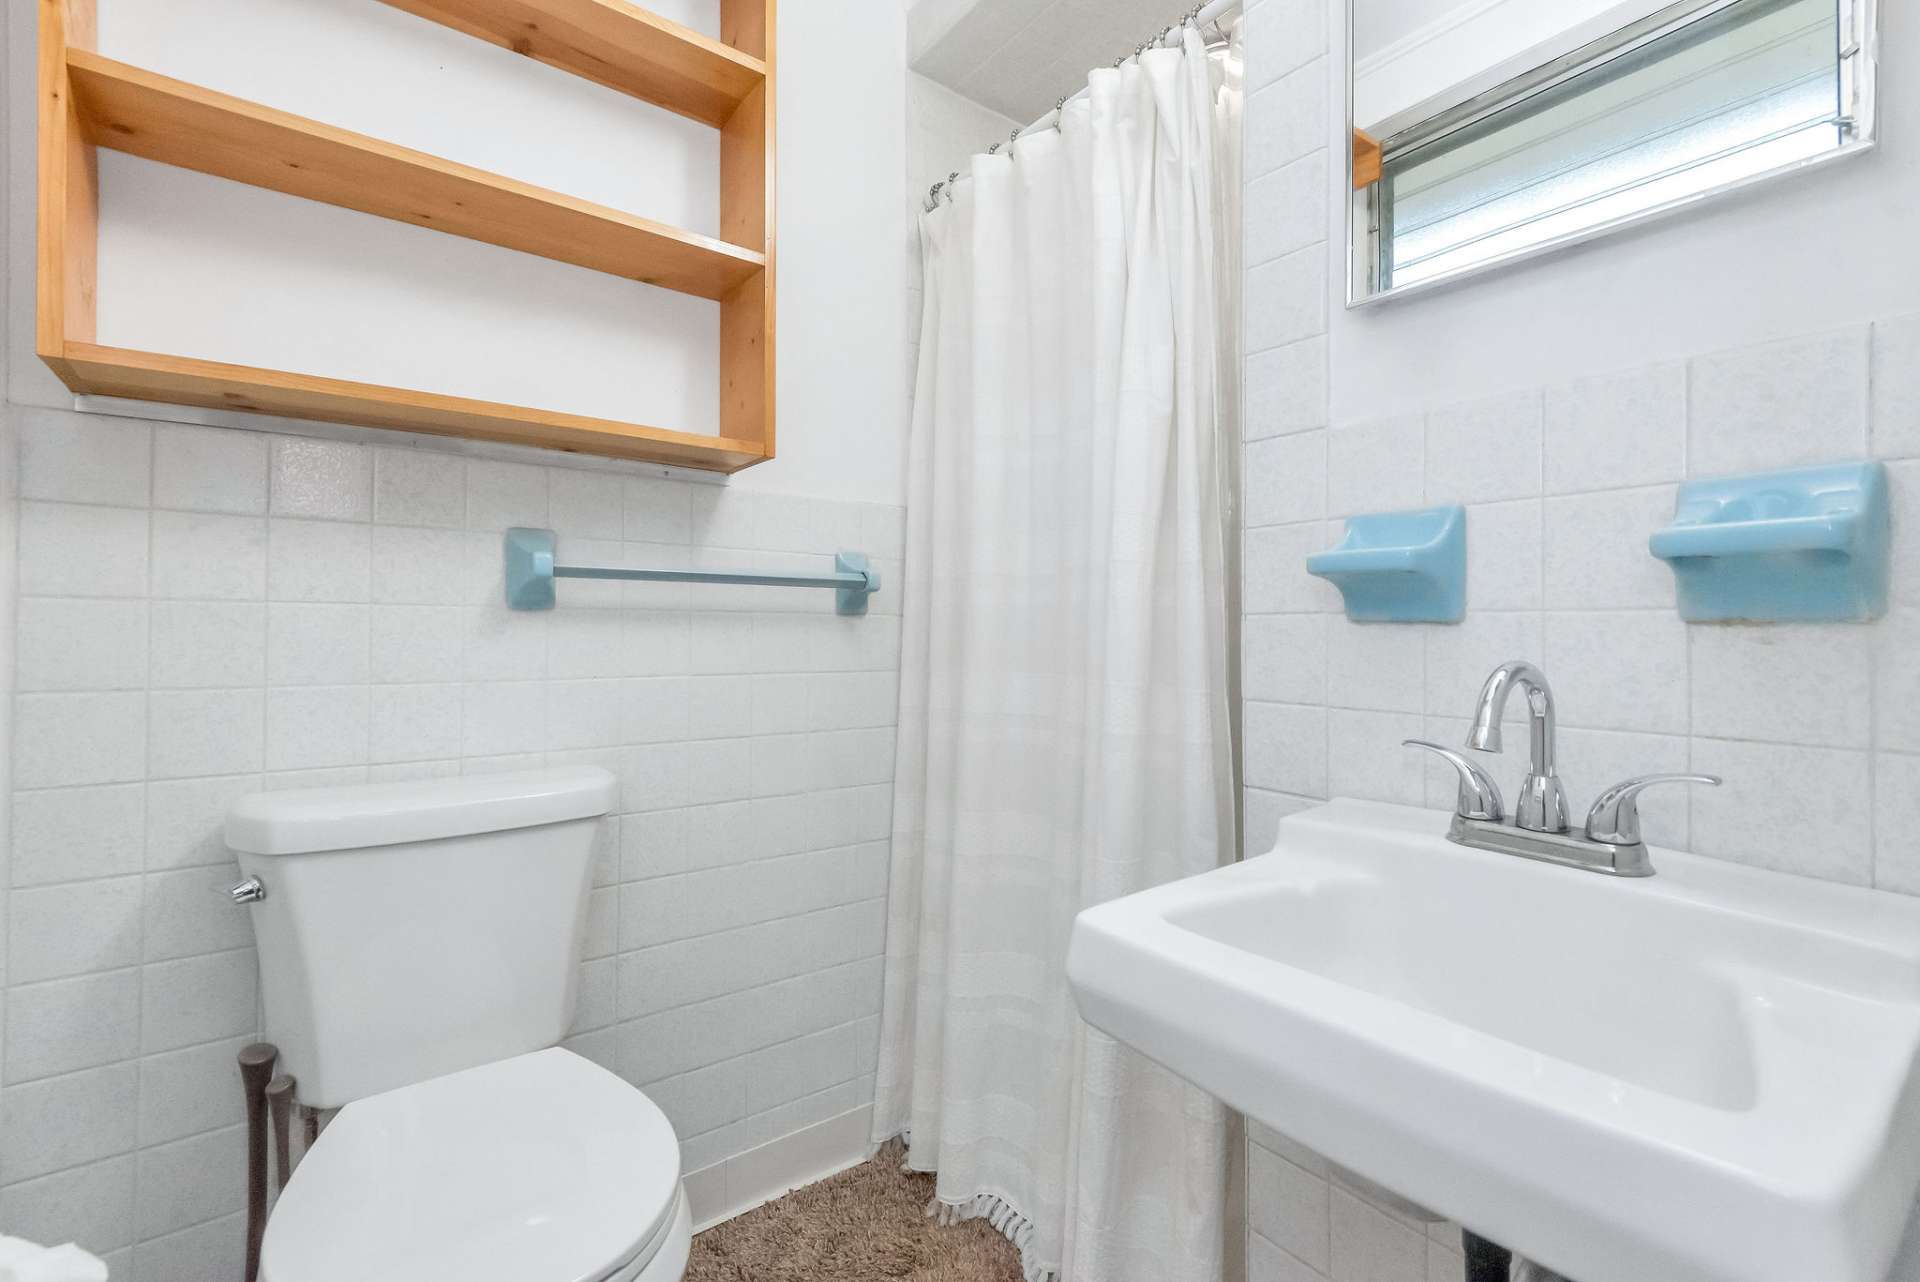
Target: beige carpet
{"points": [[863, 1225]]}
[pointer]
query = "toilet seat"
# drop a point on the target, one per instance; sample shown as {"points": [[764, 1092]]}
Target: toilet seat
{"points": [[540, 1168]]}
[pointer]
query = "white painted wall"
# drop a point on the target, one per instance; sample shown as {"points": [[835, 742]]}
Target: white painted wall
{"points": [[1828, 249], [203, 267]]}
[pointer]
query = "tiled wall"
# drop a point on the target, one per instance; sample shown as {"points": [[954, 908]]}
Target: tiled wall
{"points": [[205, 612], [1816, 728]]}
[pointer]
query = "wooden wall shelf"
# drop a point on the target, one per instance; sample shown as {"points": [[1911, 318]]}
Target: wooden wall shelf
{"points": [[615, 44], [90, 101]]}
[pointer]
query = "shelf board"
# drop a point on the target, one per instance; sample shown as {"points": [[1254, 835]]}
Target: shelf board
{"points": [[613, 43], [91, 369], [127, 109]]}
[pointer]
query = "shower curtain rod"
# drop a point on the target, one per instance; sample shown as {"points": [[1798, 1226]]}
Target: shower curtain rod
{"points": [[1200, 15]]}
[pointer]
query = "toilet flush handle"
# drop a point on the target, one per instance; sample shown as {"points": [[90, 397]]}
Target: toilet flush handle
{"points": [[250, 891]]}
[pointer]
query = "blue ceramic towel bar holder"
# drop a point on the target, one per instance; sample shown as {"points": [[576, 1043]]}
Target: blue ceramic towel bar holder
{"points": [[531, 572], [1807, 544], [1400, 567]]}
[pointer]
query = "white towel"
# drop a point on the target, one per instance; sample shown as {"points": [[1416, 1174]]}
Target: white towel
{"points": [[23, 1261]]}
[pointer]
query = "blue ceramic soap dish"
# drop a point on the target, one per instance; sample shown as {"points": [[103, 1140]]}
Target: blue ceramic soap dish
{"points": [[1801, 545], [1400, 567]]}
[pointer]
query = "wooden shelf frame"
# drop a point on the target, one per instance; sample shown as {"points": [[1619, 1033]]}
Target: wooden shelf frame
{"points": [[88, 101]]}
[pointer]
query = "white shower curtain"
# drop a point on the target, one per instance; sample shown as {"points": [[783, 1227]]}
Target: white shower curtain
{"points": [[1064, 727]]}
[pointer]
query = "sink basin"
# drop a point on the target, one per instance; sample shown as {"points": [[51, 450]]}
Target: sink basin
{"points": [[1705, 1076]]}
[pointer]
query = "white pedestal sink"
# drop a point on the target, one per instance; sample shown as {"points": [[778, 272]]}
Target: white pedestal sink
{"points": [[1704, 1076]]}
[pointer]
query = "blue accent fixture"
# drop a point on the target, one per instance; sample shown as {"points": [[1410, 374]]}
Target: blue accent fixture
{"points": [[1807, 544], [531, 572], [1401, 567]]}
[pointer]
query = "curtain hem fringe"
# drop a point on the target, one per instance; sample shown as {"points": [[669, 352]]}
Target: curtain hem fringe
{"points": [[1001, 1214]]}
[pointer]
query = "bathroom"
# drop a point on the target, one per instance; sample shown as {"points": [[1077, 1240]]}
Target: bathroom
{"points": [[968, 835]]}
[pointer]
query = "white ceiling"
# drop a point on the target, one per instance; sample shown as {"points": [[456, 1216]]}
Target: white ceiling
{"points": [[1019, 56]]}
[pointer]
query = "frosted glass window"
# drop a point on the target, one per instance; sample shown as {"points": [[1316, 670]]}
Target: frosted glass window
{"points": [[1750, 88]]}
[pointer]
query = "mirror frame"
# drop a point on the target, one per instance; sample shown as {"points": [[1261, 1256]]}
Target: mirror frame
{"points": [[1859, 82]]}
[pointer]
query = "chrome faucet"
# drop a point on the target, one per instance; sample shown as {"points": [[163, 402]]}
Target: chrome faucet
{"points": [[1543, 800], [1611, 842]]}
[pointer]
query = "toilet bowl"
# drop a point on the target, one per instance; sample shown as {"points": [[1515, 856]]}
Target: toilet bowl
{"points": [[419, 953], [541, 1168]]}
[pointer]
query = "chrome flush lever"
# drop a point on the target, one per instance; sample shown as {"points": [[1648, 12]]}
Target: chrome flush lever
{"points": [[1479, 794], [1615, 817]]}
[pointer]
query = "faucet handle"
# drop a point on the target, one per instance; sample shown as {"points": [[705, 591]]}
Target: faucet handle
{"points": [[1479, 794], [1615, 817]]}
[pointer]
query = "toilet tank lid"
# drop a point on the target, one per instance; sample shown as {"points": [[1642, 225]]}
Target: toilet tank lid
{"points": [[299, 822]]}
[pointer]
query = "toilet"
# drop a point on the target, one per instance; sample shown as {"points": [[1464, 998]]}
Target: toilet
{"points": [[419, 960]]}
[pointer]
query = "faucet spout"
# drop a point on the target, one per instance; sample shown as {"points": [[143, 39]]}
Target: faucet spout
{"points": [[1543, 800]]}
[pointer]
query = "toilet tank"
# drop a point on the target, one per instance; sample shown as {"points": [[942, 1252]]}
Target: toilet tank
{"points": [[416, 929]]}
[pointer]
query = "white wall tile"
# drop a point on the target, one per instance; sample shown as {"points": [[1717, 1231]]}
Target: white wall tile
{"points": [[203, 732], [91, 1205], [657, 511], [312, 644], [1286, 120], [1366, 756], [68, 550], [1786, 807], [202, 644], [1286, 479], [1615, 430], [1896, 695], [70, 1024], [1376, 466], [1371, 1246], [188, 913], [331, 480], [1286, 389], [207, 557], [1504, 555], [184, 819], [1460, 658], [1284, 658], [1618, 670], [1283, 209], [1779, 404], [1287, 299], [208, 469], [199, 999], [1485, 451], [64, 739], [317, 561], [315, 726], [417, 642], [1896, 822], [1806, 684], [1379, 666], [1896, 387], [77, 928], [1596, 550], [588, 505], [503, 495], [188, 1092], [1285, 748], [78, 644], [73, 834], [189, 1181], [1591, 760], [83, 458], [65, 1121], [1289, 1207], [419, 487]]}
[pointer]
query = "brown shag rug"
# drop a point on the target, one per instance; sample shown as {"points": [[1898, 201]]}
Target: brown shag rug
{"points": [[862, 1225]]}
